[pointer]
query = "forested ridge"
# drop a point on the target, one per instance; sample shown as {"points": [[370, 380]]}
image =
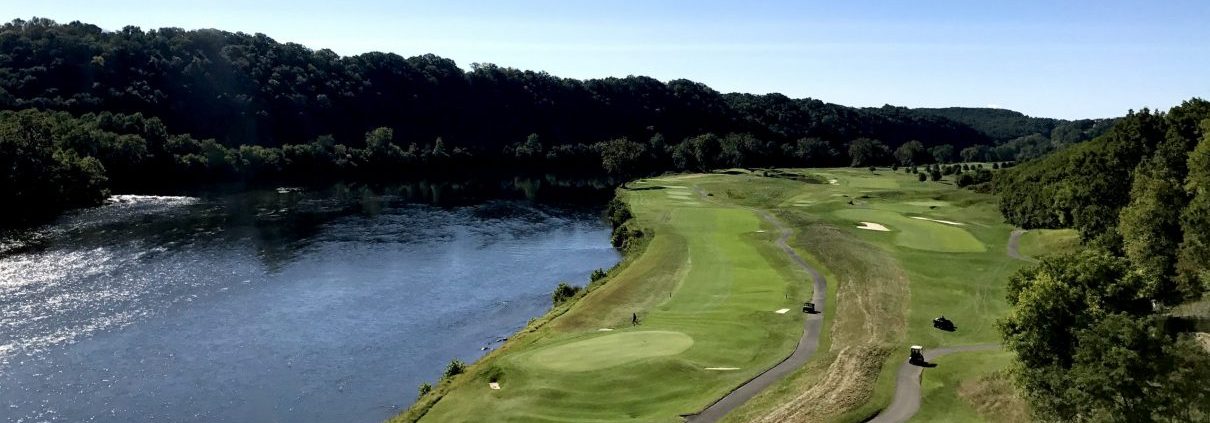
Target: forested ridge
{"points": [[133, 110], [1098, 332]]}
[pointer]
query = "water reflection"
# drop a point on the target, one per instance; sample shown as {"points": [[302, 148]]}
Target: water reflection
{"points": [[324, 304]]}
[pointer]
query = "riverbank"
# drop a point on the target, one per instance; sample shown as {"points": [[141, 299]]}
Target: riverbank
{"points": [[943, 251]]}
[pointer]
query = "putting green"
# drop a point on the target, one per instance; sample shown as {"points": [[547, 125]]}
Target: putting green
{"points": [[916, 233], [610, 350]]}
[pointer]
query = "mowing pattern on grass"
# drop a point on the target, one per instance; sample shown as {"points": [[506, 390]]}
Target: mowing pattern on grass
{"points": [[704, 291], [609, 350], [711, 276], [875, 316]]}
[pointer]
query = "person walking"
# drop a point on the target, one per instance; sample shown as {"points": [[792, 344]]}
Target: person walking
{"points": [[634, 319]]}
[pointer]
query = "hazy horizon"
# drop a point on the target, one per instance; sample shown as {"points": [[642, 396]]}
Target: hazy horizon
{"points": [[1079, 59]]}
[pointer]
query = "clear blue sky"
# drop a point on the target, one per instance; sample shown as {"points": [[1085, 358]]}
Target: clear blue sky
{"points": [[1070, 59]]}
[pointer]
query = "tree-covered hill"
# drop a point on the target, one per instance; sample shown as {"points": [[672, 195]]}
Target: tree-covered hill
{"points": [[1093, 329], [168, 107]]}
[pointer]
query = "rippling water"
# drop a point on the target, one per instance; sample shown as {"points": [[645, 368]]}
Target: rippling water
{"points": [[267, 306]]}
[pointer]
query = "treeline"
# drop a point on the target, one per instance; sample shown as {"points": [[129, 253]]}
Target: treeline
{"points": [[1093, 330], [1017, 137], [136, 110], [241, 89]]}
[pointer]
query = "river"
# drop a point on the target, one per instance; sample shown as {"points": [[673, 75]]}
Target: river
{"points": [[294, 305]]}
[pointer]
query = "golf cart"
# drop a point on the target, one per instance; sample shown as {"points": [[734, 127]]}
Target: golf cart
{"points": [[917, 355], [943, 324], [808, 307]]}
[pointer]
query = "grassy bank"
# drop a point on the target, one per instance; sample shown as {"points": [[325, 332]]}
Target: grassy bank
{"points": [[709, 282], [706, 291]]}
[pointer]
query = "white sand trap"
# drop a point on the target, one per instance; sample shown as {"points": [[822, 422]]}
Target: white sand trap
{"points": [[833, 181], [722, 368], [871, 226], [605, 330], [939, 221], [782, 311], [760, 231], [495, 386]]}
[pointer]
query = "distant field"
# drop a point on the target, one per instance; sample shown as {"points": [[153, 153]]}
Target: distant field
{"points": [[709, 282]]}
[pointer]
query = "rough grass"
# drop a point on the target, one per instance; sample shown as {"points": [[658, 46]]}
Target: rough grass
{"points": [[1039, 242], [976, 388]]}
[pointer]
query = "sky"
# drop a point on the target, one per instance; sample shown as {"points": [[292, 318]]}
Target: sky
{"points": [[1055, 58]]}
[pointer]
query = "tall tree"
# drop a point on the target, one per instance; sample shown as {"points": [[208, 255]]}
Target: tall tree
{"points": [[1193, 262], [868, 152], [621, 158], [912, 153], [1151, 229]]}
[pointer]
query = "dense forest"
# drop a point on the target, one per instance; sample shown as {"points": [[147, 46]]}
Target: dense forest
{"points": [[1095, 331], [134, 110]]}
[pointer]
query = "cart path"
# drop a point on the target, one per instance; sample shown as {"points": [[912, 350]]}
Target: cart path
{"points": [[812, 326], [1014, 243], [906, 401]]}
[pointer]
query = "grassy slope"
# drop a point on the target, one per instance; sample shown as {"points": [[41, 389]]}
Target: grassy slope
{"points": [[708, 273], [1039, 242], [973, 387], [868, 266]]}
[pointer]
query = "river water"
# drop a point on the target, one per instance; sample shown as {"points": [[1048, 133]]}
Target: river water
{"points": [[327, 305]]}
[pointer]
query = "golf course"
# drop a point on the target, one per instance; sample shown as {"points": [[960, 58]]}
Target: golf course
{"points": [[710, 297]]}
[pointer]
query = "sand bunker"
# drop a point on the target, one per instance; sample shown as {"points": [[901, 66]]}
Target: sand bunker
{"points": [[833, 181], [872, 227], [605, 330], [782, 311], [938, 221], [722, 368], [494, 386]]}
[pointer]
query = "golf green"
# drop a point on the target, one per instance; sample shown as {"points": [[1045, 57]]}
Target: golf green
{"points": [[610, 350], [916, 233]]}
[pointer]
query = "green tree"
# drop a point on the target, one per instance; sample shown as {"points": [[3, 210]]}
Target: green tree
{"points": [[868, 152], [922, 177], [912, 153], [1193, 258], [942, 153], [974, 153], [621, 158], [1150, 227]]}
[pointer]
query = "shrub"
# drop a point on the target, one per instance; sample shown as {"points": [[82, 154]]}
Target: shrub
{"points": [[922, 177], [424, 389], [563, 292], [455, 368], [935, 175], [597, 275], [872, 168]]}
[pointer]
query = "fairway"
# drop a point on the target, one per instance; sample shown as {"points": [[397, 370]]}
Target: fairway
{"points": [[917, 233], [712, 291], [706, 290], [609, 350]]}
